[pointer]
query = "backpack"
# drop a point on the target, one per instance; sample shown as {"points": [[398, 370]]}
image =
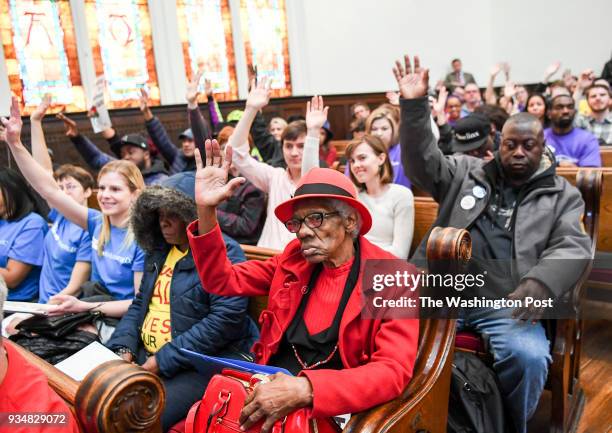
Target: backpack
{"points": [[476, 404]]}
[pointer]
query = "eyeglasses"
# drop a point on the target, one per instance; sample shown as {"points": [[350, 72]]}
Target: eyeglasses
{"points": [[313, 221], [69, 187]]}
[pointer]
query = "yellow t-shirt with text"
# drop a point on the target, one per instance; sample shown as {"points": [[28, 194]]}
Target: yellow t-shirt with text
{"points": [[156, 326]]}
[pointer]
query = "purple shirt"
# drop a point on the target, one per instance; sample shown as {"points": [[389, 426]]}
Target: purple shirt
{"points": [[578, 146], [395, 156]]}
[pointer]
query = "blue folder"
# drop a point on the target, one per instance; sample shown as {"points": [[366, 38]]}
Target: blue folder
{"points": [[210, 365]]}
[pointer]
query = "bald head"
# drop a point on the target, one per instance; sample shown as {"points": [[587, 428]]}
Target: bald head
{"points": [[524, 120]]}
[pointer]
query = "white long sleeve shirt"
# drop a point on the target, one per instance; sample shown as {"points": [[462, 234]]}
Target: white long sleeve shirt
{"points": [[392, 219]]}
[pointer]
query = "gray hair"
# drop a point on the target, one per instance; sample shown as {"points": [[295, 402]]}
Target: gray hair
{"points": [[346, 210], [3, 292]]}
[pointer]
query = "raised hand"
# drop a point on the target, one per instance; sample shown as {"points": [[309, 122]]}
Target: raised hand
{"points": [[439, 106], [506, 68], [208, 88], [393, 97], [586, 78], [211, 185], [259, 96], [40, 111], [552, 69], [144, 105], [509, 89], [411, 84], [192, 88], [70, 125], [12, 126], [143, 100], [495, 70], [316, 114]]}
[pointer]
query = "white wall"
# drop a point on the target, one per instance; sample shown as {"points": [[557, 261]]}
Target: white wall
{"points": [[348, 46]]}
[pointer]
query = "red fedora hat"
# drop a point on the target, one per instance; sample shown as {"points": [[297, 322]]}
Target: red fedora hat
{"points": [[326, 183]]}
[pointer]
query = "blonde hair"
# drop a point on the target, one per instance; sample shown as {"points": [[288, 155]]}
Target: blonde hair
{"points": [[135, 182], [378, 147], [384, 112], [279, 121]]}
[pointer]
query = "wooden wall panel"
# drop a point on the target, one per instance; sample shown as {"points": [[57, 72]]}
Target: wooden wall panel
{"points": [[174, 118]]}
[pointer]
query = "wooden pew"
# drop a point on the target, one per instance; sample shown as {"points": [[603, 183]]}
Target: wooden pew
{"points": [[606, 156], [604, 236], [115, 397], [340, 146]]}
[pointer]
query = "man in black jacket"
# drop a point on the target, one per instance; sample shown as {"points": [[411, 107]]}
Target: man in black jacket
{"points": [[525, 224]]}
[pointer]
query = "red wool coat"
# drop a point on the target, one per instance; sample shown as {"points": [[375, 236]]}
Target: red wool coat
{"points": [[378, 355]]}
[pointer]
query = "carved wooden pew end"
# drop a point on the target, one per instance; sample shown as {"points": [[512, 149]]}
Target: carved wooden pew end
{"points": [[120, 397], [115, 397]]}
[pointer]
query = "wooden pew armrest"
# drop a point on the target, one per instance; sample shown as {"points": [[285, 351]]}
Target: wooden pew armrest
{"points": [[424, 403], [115, 397]]}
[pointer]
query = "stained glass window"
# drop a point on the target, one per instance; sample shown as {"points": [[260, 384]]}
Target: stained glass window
{"points": [[206, 36], [40, 52], [122, 46], [264, 29]]}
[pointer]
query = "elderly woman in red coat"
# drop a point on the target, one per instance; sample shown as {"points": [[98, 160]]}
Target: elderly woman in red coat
{"points": [[312, 326]]}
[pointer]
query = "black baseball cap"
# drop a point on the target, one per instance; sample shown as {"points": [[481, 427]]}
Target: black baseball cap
{"points": [[187, 134], [135, 140], [471, 132]]}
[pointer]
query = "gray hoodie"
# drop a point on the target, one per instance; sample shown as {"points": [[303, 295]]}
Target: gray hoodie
{"points": [[546, 221]]}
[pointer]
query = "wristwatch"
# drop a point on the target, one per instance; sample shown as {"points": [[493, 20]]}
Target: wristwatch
{"points": [[124, 350]]}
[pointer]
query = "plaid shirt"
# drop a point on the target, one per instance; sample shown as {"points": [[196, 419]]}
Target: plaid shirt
{"points": [[601, 130]]}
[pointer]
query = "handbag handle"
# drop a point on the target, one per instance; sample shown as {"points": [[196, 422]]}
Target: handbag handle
{"points": [[223, 403], [191, 417]]}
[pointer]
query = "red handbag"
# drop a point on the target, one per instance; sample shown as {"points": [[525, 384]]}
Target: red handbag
{"points": [[220, 407]]}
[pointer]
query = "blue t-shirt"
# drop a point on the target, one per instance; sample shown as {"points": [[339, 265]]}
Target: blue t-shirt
{"points": [[23, 240], [65, 244], [579, 147], [116, 266]]}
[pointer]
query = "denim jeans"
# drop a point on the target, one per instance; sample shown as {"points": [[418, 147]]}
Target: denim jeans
{"points": [[521, 356]]}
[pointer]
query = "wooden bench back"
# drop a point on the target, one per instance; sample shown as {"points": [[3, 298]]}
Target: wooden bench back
{"points": [[92, 201], [606, 156], [340, 146], [604, 235]]}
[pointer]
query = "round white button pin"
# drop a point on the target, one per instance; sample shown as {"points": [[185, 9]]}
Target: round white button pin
{"points": [[468, 202], [479, 192]]}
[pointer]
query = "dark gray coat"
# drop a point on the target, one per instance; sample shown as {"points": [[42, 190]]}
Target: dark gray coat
{"points": [[547, 220]]}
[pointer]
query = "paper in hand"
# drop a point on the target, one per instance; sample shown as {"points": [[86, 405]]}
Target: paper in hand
{"points": [[98, 113]]}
